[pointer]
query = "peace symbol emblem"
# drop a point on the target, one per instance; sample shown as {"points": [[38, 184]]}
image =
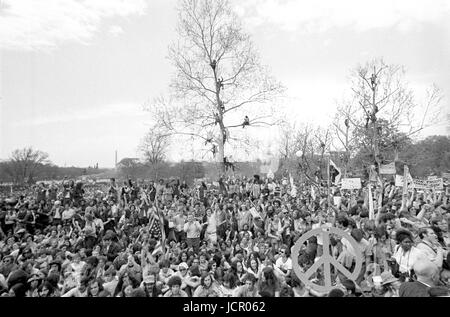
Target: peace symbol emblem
{"points": [[326, 259]]}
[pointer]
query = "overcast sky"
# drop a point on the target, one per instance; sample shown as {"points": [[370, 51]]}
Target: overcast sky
{"points": [[76, 74]]}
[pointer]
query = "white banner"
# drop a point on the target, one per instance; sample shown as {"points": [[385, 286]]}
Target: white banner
{"points": [[398, 181], [351, 183], [388, 169], [337, 200], [436, 184]]}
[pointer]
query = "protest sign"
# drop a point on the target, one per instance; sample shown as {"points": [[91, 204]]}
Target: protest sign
{"points": [[420, 184], [351, 183], [431, 178], [446, 176], [254, 213], [388, 169], [337, 200], [398, 181], [436, 184]]}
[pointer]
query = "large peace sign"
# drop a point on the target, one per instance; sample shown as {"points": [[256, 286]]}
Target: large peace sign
{"points": [[326, 259]]}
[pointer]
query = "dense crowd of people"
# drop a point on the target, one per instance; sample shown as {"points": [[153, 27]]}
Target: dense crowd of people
{"points": [[230, 239]]}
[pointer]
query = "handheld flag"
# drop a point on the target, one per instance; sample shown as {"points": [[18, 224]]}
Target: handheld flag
{"points": [[335, 173]]}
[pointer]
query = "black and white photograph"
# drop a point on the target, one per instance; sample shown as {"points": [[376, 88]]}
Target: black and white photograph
{"points": [[236, 150]]}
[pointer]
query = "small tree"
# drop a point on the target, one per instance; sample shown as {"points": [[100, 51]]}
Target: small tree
{"points": [[25, 164], [154, 147], [303, 148]]}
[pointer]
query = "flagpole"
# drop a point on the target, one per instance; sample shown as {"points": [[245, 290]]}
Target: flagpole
{"points": [[328, 182], [161, 225]]}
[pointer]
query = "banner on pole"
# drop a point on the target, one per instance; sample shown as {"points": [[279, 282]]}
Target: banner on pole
{"points": [[351, 183], [388, 169]]}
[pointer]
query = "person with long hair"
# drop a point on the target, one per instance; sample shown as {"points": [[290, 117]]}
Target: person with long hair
{"points": [[268, 283], [207, 287], [95, 289], [47, 290], [253, 266]]}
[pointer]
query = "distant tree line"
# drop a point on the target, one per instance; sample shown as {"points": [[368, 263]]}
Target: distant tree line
{"points": [[26, 166]]}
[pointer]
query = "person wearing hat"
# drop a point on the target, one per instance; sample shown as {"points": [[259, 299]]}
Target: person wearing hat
{"points": [[390, 284], [150, 286], [33, 285], [7, 266]]}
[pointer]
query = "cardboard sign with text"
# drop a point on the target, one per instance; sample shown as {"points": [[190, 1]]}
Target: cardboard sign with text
{"points": [[255, 213], [420, 184], [388, 169], [351, 183], [436, 184]]}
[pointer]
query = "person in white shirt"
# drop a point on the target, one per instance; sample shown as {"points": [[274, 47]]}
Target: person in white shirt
{"points": [[406, 254], [80, 291], [193, 230], [211, 229], [283, 265]]}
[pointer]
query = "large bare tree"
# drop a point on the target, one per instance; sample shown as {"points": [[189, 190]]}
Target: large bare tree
{"points": [[219, 88], [381, 112]]}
